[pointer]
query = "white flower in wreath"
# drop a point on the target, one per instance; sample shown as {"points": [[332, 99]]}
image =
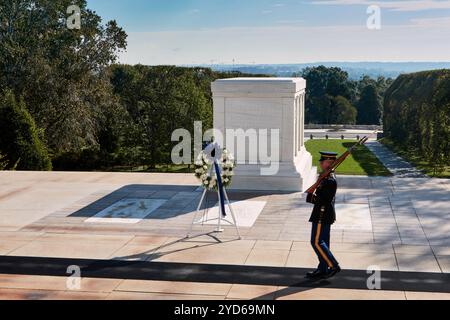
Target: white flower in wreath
{"points": [[205, 172]]}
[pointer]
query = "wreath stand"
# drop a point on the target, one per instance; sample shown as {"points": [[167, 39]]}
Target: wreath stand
{"points": [[205, 217]]}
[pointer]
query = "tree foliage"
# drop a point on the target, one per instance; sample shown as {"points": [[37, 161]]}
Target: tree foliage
{"points": [[159, 100], [4, 163], [417, 115], [19, 137], [369, 106], [60, 72], [325, 85], [344, 111]]}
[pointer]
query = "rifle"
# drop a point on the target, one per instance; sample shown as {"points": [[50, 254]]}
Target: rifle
{"points": [[336, 164]]}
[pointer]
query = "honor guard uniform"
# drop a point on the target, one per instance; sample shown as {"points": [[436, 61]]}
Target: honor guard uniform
{"points": [[322, 217]]}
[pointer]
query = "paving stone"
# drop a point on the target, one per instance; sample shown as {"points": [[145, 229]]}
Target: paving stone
{"points": [[121, 295], [351, 216], [357, 237], [68, 249], [441, 250], [411, 249], [302, 259], [296, 236], [252, 292], [385, 220], [6, 246], [148, 240], [371, 248], [439, 242], [387, 238], [417, 263], [32, 282], [292, 293], [267, 257], [270, 235], [412, 240], [356, 199], [22, 294], [385, 229], [427, 296], [207, 255], [444, 263], [93, 238], [134, 253], [173, 287], [363, 260], [277, 245]]}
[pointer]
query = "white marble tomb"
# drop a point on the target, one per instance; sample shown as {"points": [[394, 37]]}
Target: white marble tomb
{"points": [[266, 103]]}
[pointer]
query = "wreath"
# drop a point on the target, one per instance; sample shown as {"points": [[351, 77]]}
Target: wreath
{"points": [[205, 173]]}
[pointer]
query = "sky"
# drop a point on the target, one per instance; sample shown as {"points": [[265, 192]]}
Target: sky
{"points": [[197, 32]]}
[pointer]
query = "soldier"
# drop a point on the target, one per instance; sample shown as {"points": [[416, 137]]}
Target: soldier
{"points": [[323, 216]]}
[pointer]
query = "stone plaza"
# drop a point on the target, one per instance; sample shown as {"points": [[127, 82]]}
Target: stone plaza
{"points": [[127, 233], [68, 235]]}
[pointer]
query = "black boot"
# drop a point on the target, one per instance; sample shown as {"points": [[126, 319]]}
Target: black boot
{"points": [[333, 271], [316, 274]]}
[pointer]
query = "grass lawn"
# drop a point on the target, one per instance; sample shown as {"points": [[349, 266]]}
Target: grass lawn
{"points": [[414, 158], [361, 162]]}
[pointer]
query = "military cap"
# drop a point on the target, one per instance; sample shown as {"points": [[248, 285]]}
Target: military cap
{"points": [[327, 155]]}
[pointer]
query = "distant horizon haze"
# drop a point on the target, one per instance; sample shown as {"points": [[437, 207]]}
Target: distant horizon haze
{"points": [[194, 32], [356, 70]]}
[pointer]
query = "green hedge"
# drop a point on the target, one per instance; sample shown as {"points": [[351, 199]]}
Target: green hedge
{"points": [[417, 115], [19, 138]]}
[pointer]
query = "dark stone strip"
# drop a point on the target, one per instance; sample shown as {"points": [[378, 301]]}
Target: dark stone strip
{"points": [[212, 273]]}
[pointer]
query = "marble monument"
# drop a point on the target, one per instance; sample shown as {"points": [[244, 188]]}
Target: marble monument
{"points": [[262, 105]]}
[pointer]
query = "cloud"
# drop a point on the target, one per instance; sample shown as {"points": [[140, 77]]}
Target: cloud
{"points": [[432, 22], [290, 22], [291, 44], [194, 11], [405, 5]]}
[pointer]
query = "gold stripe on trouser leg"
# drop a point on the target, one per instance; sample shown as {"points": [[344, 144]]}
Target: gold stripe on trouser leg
{"points": [[319, 248]]}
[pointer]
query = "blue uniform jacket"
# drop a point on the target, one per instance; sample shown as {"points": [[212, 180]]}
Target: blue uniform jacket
{"points": [[323, 201]]}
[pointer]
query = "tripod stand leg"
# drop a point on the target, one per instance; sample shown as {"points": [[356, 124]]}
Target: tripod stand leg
{"points": [[219, 229], [195, 215], [232, 215]]}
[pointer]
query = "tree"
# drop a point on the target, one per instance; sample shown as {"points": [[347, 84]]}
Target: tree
{"points": [[369, 106], [158, 101], [19, 138], [324, 84], [59, 72], [3, 162], [343, 111]]}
